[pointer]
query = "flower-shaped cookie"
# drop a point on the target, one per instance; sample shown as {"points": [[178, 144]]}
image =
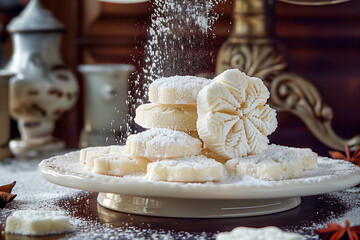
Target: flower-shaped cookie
{"points": [[233, 117]]}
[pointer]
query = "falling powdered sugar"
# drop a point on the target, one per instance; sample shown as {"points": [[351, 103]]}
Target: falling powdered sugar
{"points": [[179, 39], [177, 36]]}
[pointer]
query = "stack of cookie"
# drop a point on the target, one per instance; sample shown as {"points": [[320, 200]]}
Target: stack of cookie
{"points": [[111, 160], [228, 115], [171, 115], [173, 104], [163, 154], [175, 156], [167, 151]]}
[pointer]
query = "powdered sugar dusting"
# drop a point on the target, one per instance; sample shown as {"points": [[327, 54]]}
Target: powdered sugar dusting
{"points": [[280, 154], [94, 230], [328, 169], [164, 136], [176, 89], [190, 161], [182, 83], [33, 192], [186, 169], [275, 163], [347, 199]]}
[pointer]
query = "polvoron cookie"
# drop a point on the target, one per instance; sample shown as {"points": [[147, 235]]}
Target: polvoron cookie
{"points": [[233, 117], [176, 89]]}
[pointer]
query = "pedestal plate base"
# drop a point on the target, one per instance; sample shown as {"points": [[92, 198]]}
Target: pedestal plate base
{"points": [[195, 208]]}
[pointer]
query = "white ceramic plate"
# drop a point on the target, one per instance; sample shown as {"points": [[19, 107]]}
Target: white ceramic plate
{"points": [[330, 175]]}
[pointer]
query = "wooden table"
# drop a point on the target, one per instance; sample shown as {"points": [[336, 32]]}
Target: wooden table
{"points": [[99, 222]]}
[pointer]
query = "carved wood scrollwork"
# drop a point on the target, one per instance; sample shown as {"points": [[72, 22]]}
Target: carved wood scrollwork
{"points": [[256, 59], [292, 93], [289, 91]]}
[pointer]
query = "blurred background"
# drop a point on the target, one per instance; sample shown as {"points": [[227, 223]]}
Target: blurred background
{"points": [[322, 43]]}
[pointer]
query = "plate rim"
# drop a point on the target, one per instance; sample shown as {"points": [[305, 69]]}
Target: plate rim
{"points": [[103, 183]]}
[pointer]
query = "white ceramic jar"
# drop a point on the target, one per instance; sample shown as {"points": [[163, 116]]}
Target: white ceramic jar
{"points": [[106, 110]]}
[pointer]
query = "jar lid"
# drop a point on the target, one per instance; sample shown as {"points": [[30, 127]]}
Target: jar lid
{"points": [[35, 18]]}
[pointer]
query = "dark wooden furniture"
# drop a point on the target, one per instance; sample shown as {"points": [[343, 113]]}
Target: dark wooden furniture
{"points": [[323, 45]]}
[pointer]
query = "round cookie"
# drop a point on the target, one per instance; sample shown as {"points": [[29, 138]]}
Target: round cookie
{"points": [[176, 89], [181, 117]]}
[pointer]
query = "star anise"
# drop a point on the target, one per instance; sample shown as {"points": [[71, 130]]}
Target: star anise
{"points": [[335, 231], [354, 158], [5, 194]]}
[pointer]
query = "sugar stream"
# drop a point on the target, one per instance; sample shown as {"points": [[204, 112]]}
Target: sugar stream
{"points": [[178, 44]]}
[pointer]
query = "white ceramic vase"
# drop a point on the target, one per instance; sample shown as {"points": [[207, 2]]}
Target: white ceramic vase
{"points": [[37, 99], [105, 103], [43, 88]]}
